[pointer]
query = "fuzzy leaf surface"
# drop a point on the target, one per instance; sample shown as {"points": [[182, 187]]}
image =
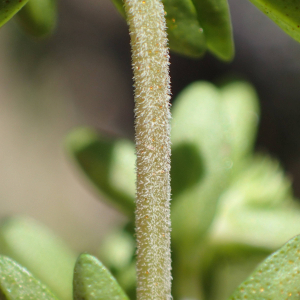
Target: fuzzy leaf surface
{"points": [[277, 277], [17, 283], [285, 13], [185, 33], [41, 252], [214, 16], [38, 17], [93, 281], [109, 164], [9, 8]]}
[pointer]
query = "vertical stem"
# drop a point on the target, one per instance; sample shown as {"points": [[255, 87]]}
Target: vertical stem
{"points": [[150, 61]]}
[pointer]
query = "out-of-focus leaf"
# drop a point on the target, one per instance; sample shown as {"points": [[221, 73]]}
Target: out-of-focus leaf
{"points": [[240, 106], [257, 209], [214, 16], [198, 120], [109, 164], [285, 13], [117, 253], [38, 17], [262, 184], [277, 277], [9, 8], [186, 167], [17, 283], [120, 7], [93, 281], [185, 33], [117, 250], [41, 252], [228, 266], [261, 228]]}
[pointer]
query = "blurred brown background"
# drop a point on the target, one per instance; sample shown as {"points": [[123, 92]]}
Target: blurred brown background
{"points": [[82, 76]]}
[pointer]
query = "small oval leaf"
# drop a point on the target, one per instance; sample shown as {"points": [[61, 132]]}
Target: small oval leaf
{"points": [[277, 277], [93, 281], [38, 17], [109, 164], [214, 16], [17, 283], [9, 8]]}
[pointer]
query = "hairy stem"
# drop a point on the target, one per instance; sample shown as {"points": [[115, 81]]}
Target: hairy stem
{"points": [[150, 61]]}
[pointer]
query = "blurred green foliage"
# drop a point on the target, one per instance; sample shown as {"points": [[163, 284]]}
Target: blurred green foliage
{"points": [[195, 26], [37, 17], [231, 207]]}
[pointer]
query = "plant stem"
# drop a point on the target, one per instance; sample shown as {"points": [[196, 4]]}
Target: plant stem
{"points": [[150, 61]]}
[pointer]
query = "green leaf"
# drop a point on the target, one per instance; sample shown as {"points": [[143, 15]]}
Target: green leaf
{"points": [[185, 33], [241, 107], [262, 183], [38, 17], [261, 228], [186, 167], [109, 164], [258, 208], [277, 277], [214, 16], [17, 283], [93, 281], [285, 13], [9, 8], [120, 7], [41, 252], [227, 266], [117, 252], [198, 120]]}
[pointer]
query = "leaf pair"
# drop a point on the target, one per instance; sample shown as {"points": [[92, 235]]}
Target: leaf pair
{"points": [[37, 17], [276, 278], [33, 246], [91, 281], [194, 26]]}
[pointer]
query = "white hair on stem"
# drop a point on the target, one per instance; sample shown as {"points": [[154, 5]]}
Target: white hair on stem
{"points": [[150, 63]]}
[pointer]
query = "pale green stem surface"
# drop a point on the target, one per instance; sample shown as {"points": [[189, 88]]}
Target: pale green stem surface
{"points": [[150, 60]]}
